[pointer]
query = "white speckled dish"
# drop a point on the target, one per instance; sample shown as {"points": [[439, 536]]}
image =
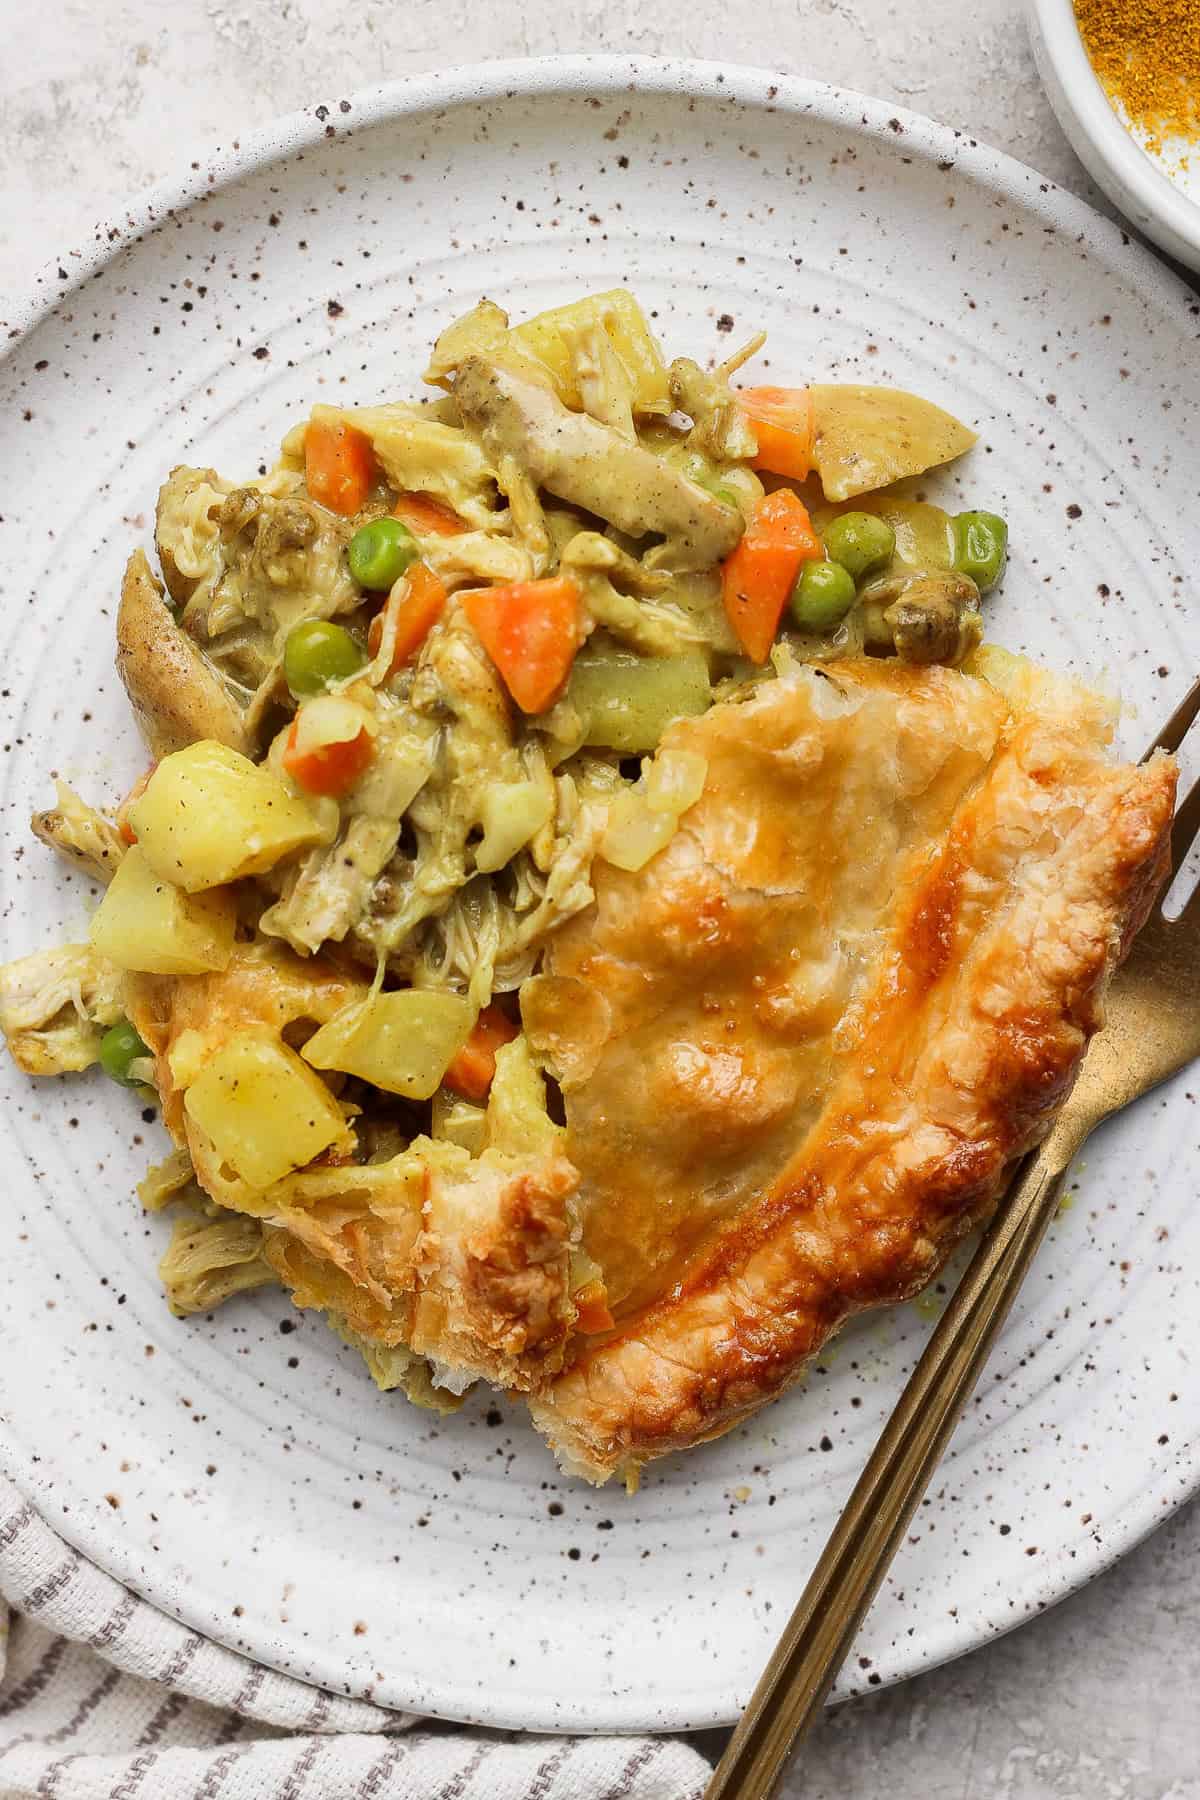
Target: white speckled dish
{"points": [[241, 1471]]}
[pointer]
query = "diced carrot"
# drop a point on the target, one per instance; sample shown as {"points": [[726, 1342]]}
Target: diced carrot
{"points": [[338, 465], [471, 1072], [124, 828], [757, 578], [782, 421], [591, 1307], [531, 630], [415, 605], [327, 768], [428, 517]]}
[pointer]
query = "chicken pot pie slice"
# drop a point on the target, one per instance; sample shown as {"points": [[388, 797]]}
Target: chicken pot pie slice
{"points": [[801, 1048]]}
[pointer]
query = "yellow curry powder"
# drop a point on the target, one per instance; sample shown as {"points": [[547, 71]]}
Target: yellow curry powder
{"points": [[1146, 54]]}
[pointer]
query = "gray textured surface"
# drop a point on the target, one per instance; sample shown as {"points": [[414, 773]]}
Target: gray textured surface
{"points": [[1098, 1700]]}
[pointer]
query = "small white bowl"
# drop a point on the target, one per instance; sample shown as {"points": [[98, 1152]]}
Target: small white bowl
{"points": [[1159, 196]]}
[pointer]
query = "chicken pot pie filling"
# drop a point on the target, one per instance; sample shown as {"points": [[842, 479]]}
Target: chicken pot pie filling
{"points": [[597, 914]]}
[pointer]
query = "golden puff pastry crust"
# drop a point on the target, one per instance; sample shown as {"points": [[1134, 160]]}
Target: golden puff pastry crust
{"points": [[800, 1049]]}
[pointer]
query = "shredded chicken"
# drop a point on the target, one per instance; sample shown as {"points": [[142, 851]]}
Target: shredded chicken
{"points": [[246, 564], [590, 465], [56, 1005], [79, 833]]}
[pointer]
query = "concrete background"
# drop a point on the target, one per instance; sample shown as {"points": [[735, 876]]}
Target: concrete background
{"points": [[1099, 1699]]}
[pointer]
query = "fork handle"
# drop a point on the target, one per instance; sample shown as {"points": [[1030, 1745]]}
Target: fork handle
{"points": [[818, 1637]]}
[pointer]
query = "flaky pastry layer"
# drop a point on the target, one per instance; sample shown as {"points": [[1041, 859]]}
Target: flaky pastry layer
{"points": [[801, 1050]]}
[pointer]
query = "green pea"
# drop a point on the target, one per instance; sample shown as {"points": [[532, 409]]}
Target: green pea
{"points": [[317, 654], [727, 497], [380, 552], [822, 595], [119, 1047], [859, 541], [980, 547]]}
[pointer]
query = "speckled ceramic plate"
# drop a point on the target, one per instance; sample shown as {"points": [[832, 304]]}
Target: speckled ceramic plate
{"points": [[241, 1471]]}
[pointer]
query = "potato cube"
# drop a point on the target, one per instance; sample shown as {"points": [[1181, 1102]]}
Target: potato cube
{"points": [[264, 1110], [868, 437], [618, 314], [209, 815], [147, 924], [402, 1042]]}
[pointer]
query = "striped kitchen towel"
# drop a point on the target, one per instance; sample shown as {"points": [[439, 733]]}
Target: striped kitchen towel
{"points": [[103, 1697]]}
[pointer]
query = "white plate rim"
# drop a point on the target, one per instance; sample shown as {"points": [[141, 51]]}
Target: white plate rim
{"points": [[523, 78]]}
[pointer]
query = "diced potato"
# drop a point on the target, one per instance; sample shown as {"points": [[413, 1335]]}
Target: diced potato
{"points": [[402, 1042], [511, 812], [866, 437], [146, 924], [265, 1112], [626, 702], [210, 816], [618, 314]]}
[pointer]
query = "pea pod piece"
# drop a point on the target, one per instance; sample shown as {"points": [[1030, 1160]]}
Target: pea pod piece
{"points": [[980, 547]]}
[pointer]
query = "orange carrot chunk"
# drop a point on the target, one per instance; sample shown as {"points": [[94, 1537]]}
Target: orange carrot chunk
{"points": [[414, 605], [782, 422], [338, 465], [327, 768], [531, 630], [427, 517], [474, 1066], [757, 579]]}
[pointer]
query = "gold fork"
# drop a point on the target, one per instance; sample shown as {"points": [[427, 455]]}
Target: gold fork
{"points": [[1152, 1029]]}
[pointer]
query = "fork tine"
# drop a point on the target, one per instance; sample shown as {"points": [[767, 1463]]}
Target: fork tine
{"points": [[1185, 827], [1177, 726]]}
